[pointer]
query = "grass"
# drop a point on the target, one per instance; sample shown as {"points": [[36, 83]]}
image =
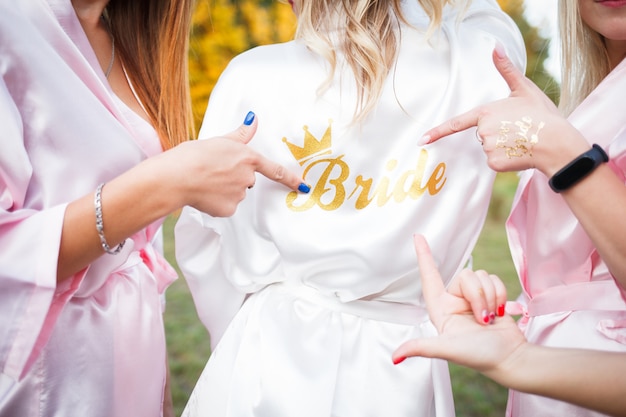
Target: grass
{"points": [[475, 395]]}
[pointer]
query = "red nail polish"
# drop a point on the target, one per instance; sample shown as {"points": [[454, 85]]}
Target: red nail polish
{"points": [[485, 317], [399, 360], [501, 310]]}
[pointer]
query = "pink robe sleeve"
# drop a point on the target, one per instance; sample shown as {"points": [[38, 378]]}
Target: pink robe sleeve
{"points": [[29, 244], [617, 152]]}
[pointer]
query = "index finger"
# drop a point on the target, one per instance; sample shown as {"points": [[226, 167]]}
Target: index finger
{"points": [[516, 81], [456, 124], [279, 173], [432, 283]]}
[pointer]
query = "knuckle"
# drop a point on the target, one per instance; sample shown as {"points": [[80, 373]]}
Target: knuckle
{"points": [[230, 208], [483, 112], [278, 172], [250, 156], [508, 67], [465, 273], [454, 125], [497, 164], [241, 134]]}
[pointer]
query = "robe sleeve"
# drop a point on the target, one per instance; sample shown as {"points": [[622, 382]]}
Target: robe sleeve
{"points": [[29, 244], [200, 252], [617, 154], [201, 261], [487, 17]]}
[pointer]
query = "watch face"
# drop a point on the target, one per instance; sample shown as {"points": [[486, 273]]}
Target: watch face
{"points": [[574, 173]]}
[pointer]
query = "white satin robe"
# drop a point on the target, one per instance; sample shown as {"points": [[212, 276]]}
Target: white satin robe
{"points": [[94, 345], [569, 297], [307, 296]]}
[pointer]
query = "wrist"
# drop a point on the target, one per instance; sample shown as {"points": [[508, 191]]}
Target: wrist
{"points": [[150, 191], [100, 224], [173, 173], [516, 370], [559, 145]]}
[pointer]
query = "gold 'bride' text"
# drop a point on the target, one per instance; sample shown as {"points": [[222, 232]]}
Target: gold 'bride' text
{"points": [[331, 190]]}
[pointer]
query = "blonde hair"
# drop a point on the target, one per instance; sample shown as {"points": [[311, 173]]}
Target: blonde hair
{"points": [[369, 31], [152, 37], [584, 57]]}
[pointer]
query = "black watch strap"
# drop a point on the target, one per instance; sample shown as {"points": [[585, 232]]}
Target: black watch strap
{"points": [[578, 169]]}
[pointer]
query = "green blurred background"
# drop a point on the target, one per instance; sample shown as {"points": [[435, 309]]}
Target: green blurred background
{"points": [[224, 28]]}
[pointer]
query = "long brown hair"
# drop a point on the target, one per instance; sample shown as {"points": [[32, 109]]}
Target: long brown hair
{"points": [[152, 37]]}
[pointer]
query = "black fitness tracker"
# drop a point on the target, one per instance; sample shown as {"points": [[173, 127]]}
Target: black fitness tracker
{"points": [[578, 169]]}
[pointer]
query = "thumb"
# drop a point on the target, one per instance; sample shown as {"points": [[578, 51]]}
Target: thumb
{"points": [[246, 130], [514, 78], [427, 347], [432, 283]]}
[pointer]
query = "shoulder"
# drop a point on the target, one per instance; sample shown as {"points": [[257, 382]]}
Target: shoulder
{"points": [[473, 25], [272, 55], [269, 64]]}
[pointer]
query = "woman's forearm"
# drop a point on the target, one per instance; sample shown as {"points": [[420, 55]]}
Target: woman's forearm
{"points": [[591, 379], [129, 203], [598, 202]]}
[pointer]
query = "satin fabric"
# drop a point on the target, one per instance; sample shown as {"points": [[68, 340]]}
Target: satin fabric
{"points": [[569, 297], [94, 345], [307, 296]]}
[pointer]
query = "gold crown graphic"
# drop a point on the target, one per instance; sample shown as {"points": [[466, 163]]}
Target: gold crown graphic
{"points": [[312, 147]]}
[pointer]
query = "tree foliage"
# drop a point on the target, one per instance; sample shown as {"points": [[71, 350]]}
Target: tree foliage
{"points": [[537, 48], [224, 28]]}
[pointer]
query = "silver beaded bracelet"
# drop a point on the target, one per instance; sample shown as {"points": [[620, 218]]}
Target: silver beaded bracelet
{"points": [[100, 224]]}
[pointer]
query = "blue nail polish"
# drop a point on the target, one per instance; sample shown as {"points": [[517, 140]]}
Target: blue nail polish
{"points": [[304, 188], [249, 118]]}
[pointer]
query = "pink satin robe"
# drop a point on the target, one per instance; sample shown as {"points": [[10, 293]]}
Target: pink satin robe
{"points": [[572, 299], [94, 345], [307, 296]]}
